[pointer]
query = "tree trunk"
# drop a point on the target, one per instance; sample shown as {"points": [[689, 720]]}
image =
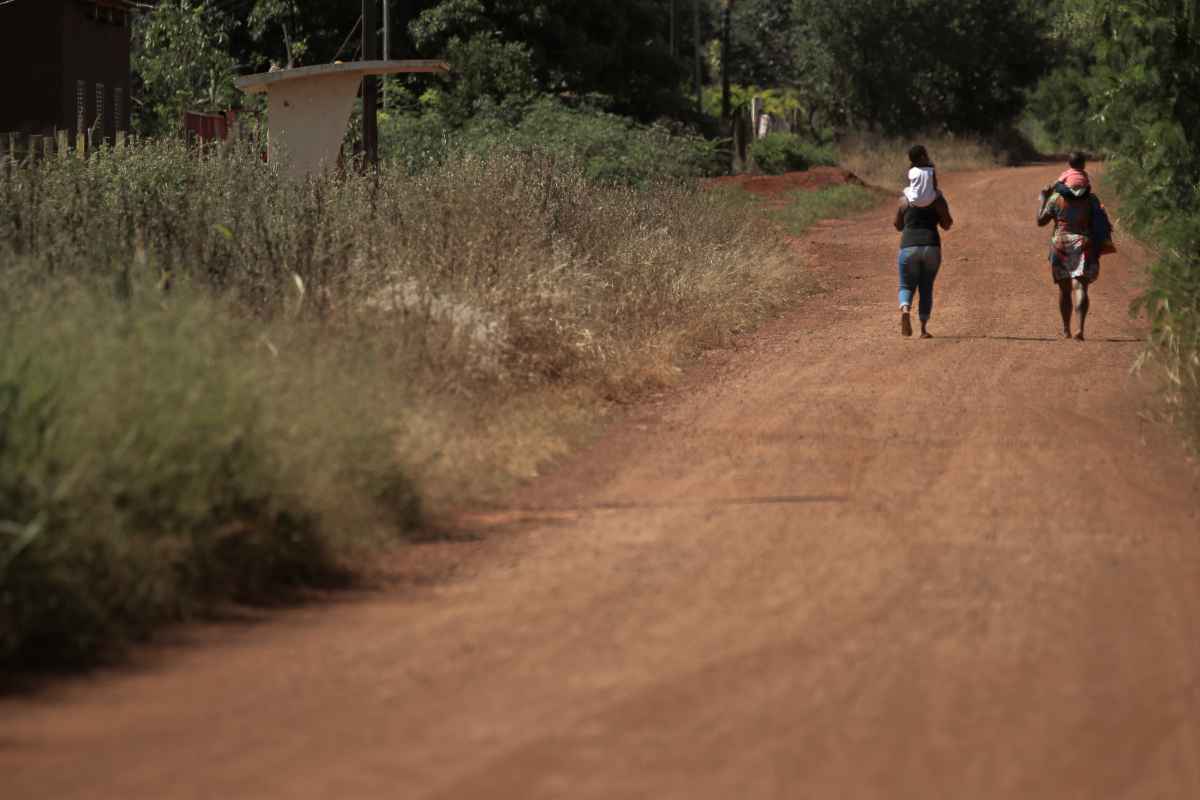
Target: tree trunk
{"points": [[726, 46], [698, 71]]}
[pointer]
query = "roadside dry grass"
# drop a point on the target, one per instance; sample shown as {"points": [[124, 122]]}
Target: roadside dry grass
{"points": [[884, 162], [218, 384]]}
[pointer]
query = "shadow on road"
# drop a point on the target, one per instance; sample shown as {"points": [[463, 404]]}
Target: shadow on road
{"points": [[521, 516], [1108, 339]]}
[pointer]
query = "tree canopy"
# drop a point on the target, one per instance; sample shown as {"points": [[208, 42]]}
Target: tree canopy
{"points": [[895, 66]]}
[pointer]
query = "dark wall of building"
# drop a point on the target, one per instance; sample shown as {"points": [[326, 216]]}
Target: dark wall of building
{"points": [[95, 68], [30, 57]]}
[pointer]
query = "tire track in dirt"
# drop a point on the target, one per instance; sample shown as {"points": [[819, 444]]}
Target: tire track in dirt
{"points": [[999, 599]]}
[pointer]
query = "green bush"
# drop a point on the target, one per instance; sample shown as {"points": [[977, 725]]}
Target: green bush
{"points": [[777, 153], [608, 148], [1061, 109], [1142, 107]]}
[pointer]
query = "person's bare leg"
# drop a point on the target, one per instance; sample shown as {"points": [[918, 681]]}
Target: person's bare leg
{"points": [[1082, 304], [924, 333], [1065, 306]]}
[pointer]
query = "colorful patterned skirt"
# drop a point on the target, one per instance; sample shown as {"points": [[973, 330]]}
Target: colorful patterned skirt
{"points": [[1071, 257]]}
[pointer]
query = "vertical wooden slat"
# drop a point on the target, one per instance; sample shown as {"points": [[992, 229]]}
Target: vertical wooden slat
{"points": [[64, 144]]}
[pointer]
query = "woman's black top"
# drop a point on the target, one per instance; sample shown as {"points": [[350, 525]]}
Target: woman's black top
{"points": [[921, 227]]}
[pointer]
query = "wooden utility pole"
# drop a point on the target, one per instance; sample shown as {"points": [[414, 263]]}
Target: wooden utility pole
{"points": [[698, 67], [726, 47], [387, 30], [370, 90], [387, 47]]}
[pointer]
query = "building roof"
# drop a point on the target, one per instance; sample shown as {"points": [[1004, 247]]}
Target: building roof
{"points": [[252, 84]]}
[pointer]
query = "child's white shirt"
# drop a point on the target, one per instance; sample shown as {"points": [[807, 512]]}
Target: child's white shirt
{"points": [[920, 191]]}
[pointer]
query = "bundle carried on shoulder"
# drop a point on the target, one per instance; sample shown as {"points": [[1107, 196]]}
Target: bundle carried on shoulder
{"points": [[1102, 228]]}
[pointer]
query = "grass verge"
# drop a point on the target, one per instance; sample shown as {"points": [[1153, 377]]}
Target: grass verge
{"points": [[160, 457], [805, 208], [218, 384]]}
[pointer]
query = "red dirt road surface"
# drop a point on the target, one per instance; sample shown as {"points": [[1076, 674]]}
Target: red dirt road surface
{"points": [[835, 564]]}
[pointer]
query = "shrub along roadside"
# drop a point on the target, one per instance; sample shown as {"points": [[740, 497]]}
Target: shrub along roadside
{"points": [[607, 148], [777, 153], [329, 359]]}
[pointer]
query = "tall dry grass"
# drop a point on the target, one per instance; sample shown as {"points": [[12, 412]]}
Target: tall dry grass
{"points": [[216, 381], [883, 161]]}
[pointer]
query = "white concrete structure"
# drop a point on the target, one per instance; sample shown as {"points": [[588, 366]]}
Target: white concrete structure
{"points": [[309, 107]]}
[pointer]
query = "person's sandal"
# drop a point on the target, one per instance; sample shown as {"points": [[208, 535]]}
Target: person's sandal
{"points": [[906, 323]]}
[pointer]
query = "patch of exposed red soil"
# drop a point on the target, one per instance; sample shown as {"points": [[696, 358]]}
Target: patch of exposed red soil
{"points": [[775, 186]]}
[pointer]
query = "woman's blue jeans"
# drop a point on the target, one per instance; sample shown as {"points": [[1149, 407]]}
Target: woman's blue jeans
{"points": [[918, 271]]}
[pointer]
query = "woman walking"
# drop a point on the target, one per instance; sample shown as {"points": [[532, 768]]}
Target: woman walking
{"points": [[1074, 245], [920, 250]]}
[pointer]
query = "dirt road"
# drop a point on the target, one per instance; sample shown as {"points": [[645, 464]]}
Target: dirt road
{"points": [[836, 564]]}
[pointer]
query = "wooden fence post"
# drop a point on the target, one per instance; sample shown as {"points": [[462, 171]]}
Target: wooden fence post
{"points": [[64, 144]]}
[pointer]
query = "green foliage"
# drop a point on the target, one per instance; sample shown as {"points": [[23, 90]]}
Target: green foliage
{"points": [[1145, 111], [181, 57], [417, 142], [300, 32], [770, 43], [927, 65], [492, 78], [608, 148], [617, 49], [778, 153], [804, 208], [1061, 103]]}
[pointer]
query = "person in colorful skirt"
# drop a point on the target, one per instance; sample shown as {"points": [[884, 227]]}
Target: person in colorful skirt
{"points": [[1074, 245]]}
